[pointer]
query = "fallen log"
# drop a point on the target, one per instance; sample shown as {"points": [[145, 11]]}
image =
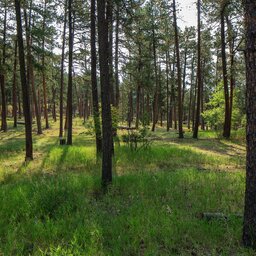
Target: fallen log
{"points": [[209, 216]]}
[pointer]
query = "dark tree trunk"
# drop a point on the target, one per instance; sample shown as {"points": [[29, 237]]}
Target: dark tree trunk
{"points": [[70, 74], [249, 229], [180, 107], [116, 57], [199, 75], [62, 71], [138, 106], [130, 109], [44, 75], [156, 94], [25, 86], [107, 142], [226, 129], [167, 92], [95, 100], [30, 70], [110, 48], [232, 64], [191, 92], [184, 75], [14, 86], [2, 74], [202, 98]]}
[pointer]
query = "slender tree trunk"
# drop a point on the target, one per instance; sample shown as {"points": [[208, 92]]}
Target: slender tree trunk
{"points": [[191, 92], [44, 75], [249, 228], [232, 63], [95, 100], [156, 95], [138, 106], [226, 130], [62, 71], [184, 75], [107, 141], [167, 91], [25, 86], [180, 107], [30, 70], [14, 86], [70, 73], [2, 74], [116, 57], [202, 98], [110, 48], [199, 75]]}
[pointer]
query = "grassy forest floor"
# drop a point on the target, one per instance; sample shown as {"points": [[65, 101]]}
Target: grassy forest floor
{"points": [[54, 204]]}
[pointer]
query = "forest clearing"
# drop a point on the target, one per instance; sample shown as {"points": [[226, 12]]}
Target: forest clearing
{"points": [[55, 206]]}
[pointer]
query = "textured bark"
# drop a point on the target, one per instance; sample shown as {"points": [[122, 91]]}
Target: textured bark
{"points": [[70, 69], [110, 49], [232, 64], [167, 90], [226, 129], [30, 70], [130, 109], [180, 108], [2, 74], [44, 75], [191, 92], [156, 94], [14, 86], [107, 142], [62, 71], [24, 85], [184, 74], [199, 75], [249, 229], [95, 100], [117, 57]]}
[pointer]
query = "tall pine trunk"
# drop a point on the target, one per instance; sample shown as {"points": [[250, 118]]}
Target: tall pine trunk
{"points": [[2, 74], [249, 229], [70, 70], [226, 129], [14, 86], [24, 85], [199, 75], [62, 71], [95, 100], [107, 144], [180, 107], [44, 69]]}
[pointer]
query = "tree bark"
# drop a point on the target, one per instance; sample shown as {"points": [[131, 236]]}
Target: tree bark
{"points": [[62, 71], [95, 100], [249, 228], [25, 86], [180, 107], [117, 57], [14, 86], [2, 74], [70, 70], [199, 75], [226, 129], [107, 142], [44, 75], [30, 70]]}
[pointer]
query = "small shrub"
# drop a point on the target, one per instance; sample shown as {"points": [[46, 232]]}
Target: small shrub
{"points": [[137, 140]]}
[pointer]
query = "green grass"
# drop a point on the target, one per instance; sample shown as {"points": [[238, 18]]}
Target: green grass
{"points": [[55, 206]]}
